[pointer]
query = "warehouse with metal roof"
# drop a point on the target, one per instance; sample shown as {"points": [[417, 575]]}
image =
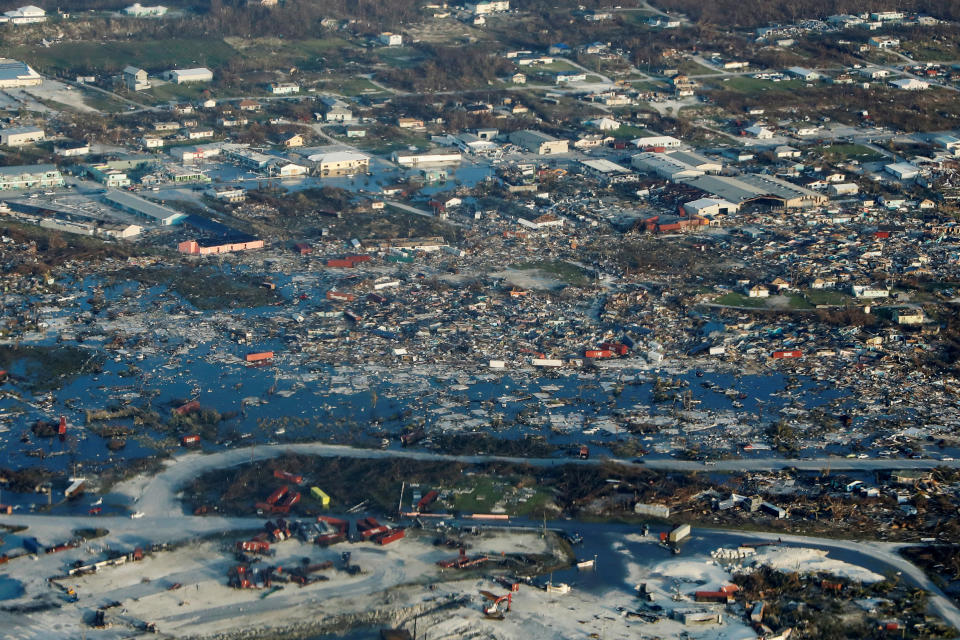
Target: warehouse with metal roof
{"points": [[756, 187], [14, 73], [134, 204]]}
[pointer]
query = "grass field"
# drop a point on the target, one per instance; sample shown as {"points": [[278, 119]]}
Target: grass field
{"points": [[556, 65], [846, 152], [565, 271], [627, 132], [100, 57], [746, 84], [350, 86], [827, 296], [691, 68], [733, 299]]}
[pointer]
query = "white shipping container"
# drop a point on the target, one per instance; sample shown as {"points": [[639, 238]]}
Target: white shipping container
{"points": [[546, 362], [497, 364]]}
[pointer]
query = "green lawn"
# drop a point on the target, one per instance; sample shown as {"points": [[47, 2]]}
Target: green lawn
{"points": [[627, 132], [827, 296], [691, 68], [558, 64], [846, 152], [99, 57], [746, 84], [565, 271], [403, 57], [734, 299], [104, 102], [797, 301], [350, 86]]}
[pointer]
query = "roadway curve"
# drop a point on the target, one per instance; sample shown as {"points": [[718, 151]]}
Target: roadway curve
{"points": [[163, 518], [157, 496]]}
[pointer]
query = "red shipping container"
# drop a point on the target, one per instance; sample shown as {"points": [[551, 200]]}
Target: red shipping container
{"points": [[426, 500], [598, 353], [787, 354], [337, 262], [882, 234], [336, 295], [357, 259], [286, 475], [258, 357], [277, 495], [390, 536], [190, 440]]}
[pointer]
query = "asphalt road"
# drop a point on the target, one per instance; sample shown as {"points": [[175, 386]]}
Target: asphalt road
{"points": [[163, 518], [157, 496]]}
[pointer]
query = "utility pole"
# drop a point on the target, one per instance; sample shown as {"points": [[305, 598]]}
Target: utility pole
{"points": [[403, 486]]}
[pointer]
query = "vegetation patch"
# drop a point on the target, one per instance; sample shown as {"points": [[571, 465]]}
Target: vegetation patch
{"points": [[565, 271], [43, 368], [205, 288]]}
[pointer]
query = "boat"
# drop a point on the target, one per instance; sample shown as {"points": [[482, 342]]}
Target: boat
{"points": [[585, 564]]}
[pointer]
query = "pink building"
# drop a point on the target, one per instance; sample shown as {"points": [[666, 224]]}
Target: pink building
{"points": [[198, 248]]}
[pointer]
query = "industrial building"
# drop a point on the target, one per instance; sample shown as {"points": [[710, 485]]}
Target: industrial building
{"points": [[25, 15], [664, 165], [19, 136], [183, 76], [29, 177], [653, 142], [111, 178], [137, 205], [756, 187], [710, 207], [212, 247], [14, 73], [137, 10], [538, 142], [415, 160], [487, 6], [135, 79], [340, 163]]}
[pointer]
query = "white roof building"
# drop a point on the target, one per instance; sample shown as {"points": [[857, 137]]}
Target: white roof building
{"points": [[759, 132], [667, 142], [14, 73], [140, 11], [26, 15], [605, 124], [182, 76], [910, 84], [710, 207], [903, 170]]}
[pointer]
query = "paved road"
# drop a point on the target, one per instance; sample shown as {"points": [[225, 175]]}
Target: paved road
{"points": [[156, 497]]}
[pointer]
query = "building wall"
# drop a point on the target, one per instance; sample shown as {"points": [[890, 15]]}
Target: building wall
{"points": [[31, 180], [191, 247]]}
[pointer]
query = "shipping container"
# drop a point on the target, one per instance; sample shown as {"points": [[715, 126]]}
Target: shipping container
{"points": [[190, 441], [340, 264], [277, 495], [427, 500], [357, 259], [286, 475], [390, 536], [260, 356], [598, 353], [319, 494], [337, 295], [546, 362], [787, 354], [619, 348]]}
